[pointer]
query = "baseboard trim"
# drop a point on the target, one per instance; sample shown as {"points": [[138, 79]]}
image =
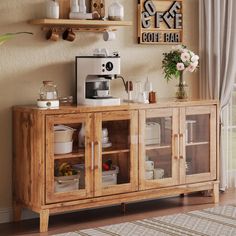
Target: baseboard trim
{"points": [[6, 215]]}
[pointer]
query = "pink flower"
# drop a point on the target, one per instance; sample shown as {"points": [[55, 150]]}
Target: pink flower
{"points": [[185, 56], [180, 66], [194, 58], [192, 67], [195, 63]]}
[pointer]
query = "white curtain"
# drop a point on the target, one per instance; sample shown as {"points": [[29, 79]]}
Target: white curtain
{"points": [[218, 57], [229, 139]]}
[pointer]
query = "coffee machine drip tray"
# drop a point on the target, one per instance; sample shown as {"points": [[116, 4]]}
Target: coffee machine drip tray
{"points": [[106, 97], [102, 101]]}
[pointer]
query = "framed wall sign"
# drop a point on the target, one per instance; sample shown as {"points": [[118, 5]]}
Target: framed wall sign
{"points": [[160, 21]]}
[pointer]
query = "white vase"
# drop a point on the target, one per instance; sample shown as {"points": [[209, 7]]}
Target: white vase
{"points": [[52, 9]]}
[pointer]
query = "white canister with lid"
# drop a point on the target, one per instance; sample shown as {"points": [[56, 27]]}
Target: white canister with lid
{"points": [[116, 11], [52, 9]]}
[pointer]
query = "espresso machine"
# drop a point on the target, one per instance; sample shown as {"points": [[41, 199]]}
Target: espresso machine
{"points": [[93, 77]]}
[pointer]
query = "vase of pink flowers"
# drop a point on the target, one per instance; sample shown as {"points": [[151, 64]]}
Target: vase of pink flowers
{"points": [[175, 63]]}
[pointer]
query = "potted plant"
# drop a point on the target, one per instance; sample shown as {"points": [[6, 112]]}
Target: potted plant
{"points": [[177, 61], [8, 36]]}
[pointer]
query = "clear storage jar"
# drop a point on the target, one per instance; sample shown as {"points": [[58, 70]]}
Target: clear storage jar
{"points": [[116, 11], [48, 91]]}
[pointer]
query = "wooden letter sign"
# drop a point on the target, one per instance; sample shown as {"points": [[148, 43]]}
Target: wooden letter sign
{"points": [[160, 21]]}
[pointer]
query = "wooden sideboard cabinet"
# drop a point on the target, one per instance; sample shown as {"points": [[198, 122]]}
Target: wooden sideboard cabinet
{"points": [[122, 153]]}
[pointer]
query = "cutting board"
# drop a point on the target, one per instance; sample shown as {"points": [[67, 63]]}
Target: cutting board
{"points": [[64, 6]]}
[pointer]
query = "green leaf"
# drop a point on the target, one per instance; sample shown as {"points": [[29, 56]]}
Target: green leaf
{"points": [[8, 36]]}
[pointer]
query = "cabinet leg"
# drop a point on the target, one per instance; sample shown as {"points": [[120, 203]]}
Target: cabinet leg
{"points": [[216, 193], [17, 208], [44, 218], [123, 208]]}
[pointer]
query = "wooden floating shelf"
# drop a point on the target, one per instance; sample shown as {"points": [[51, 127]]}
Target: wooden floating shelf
{"points": [[79, 23]]}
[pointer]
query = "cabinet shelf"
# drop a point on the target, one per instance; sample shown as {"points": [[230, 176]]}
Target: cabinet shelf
{"points": [[80, 25], [115, 150], [156, 146], [78, 154], [196, 144]]}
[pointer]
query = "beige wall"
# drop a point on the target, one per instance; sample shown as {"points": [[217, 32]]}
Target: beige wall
{"points": [[26, 61]]}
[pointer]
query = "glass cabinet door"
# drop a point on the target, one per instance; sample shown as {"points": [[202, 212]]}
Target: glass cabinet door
{"points": [[116, 152], [158, 148], [68, 157], [198, 130]]}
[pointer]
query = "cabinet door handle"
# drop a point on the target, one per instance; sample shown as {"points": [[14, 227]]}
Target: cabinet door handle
{"points": [[99, 156], [92, 156], [181, 146], [99, 165], [176, 146]]}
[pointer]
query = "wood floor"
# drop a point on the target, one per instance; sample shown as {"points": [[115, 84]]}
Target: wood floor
{"points": [[111, 215]]}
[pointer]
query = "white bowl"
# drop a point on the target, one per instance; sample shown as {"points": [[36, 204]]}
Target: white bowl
{"points": [[102, 93], [63, 148], [63, 134]]}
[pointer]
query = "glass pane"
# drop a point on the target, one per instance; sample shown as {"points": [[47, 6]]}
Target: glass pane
{"points": [[69, 155], [158, 159], [115, 152], [197, 128], [115, 169], [197, 159], [197, 144]]}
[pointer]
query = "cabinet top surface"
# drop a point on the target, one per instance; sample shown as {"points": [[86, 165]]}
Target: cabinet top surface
{"points": [[162, 103]]}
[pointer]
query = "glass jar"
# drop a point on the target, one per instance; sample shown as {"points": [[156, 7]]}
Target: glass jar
{"points": [[48, 91], [116, 11]]}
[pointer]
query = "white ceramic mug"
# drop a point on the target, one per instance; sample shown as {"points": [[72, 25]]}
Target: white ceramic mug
{"points": [[149, 175], [158, 173], [104, 132], [109, 36], [102, 93], [149, 165]]}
